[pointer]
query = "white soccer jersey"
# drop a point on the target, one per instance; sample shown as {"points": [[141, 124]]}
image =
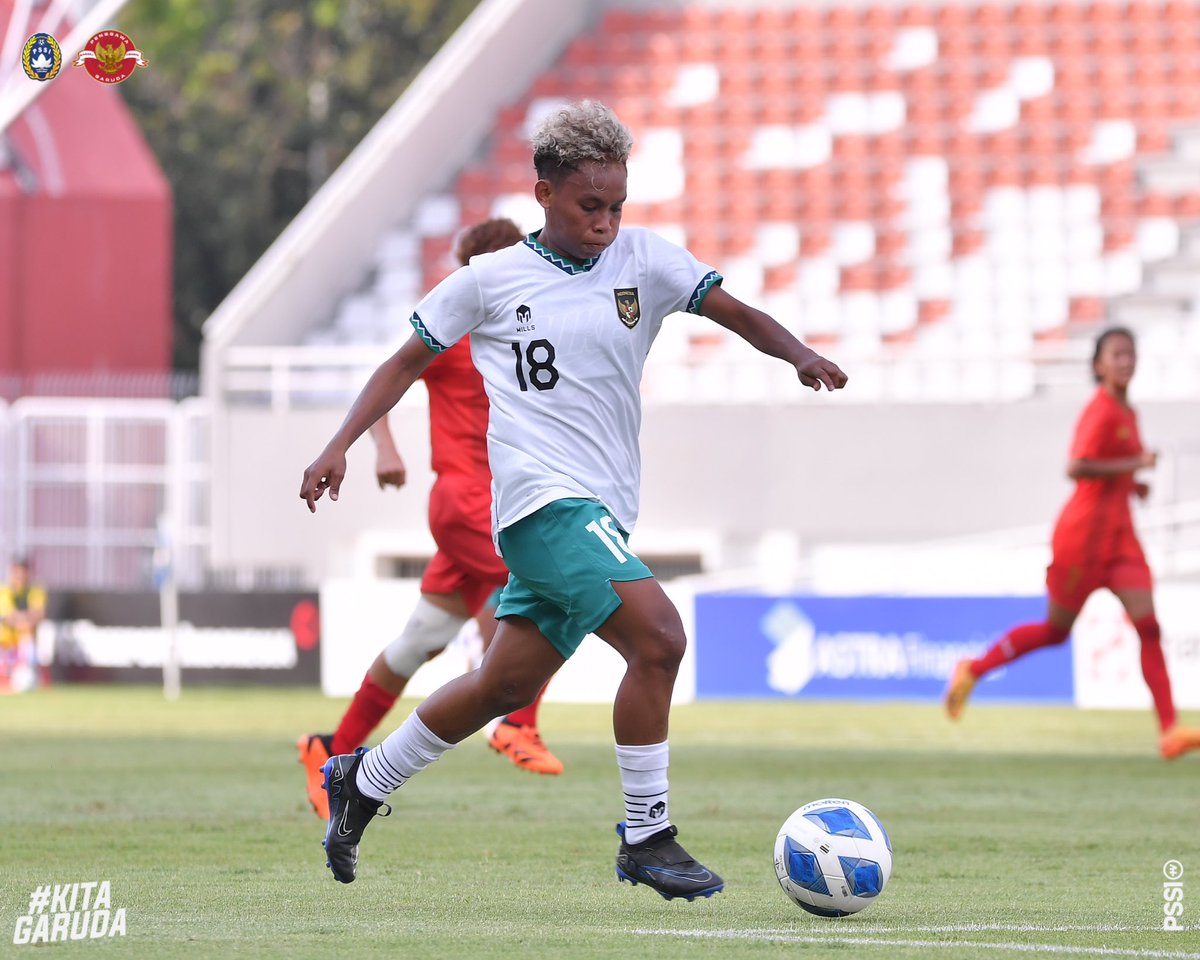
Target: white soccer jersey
{"points": [[561, 348]]}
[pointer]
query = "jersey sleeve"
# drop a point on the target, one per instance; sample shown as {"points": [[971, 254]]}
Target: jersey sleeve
{"points": [[1091, 433], [680, 281], [449, 311]]}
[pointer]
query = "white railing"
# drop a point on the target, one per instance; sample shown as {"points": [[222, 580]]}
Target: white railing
{"points": [[286, 377], [96, 486]]}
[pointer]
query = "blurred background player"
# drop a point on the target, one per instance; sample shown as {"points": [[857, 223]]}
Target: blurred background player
{"points": [[22, 608], [560, 326], [465, 571], [1095, 544]]}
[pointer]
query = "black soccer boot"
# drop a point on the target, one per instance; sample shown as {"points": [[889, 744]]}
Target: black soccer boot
{"points": [[349, 814], [663, 865]]}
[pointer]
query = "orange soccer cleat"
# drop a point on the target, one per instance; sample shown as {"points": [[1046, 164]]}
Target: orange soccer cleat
{"points": [[958, 690], [524, 747], [315, 749], [1178, 741]]}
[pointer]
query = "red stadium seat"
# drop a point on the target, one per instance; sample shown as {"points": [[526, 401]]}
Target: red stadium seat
{"points": [[1187, 206], [1153, 138], [989, 17], [779, 277], [1129, 60], [967, 240], [1104, 13], [1118, 236], [933, 311], [952, 16], [859, 276], [915, 15], [1141, 12], [1067, 15], [814, 241], [1029, 15], [1086, 310]]}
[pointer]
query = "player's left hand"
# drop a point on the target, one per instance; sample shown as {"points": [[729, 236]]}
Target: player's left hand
{"points": [[389, 469], [324, 473], [817, 372], [1142, 489]]}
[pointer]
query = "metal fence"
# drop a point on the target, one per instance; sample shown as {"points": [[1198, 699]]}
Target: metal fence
{"points": [[102, 492]]}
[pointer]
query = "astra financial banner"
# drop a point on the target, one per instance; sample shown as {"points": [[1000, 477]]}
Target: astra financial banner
{"points": [[752, 645]]}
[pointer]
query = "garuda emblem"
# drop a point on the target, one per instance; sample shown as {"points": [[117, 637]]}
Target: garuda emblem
{"points": [[628, 308]]}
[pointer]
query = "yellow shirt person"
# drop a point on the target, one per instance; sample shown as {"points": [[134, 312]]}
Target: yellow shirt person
{"points": [[22, 608]]}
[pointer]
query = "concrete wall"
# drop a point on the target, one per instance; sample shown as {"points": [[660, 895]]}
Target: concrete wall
{"points": [[724, 475]]}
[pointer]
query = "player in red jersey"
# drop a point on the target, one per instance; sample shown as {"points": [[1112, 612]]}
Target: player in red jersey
{"points": [[1095, 544], [464, 573]]}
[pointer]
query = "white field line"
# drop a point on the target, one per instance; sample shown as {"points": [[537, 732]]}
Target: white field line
{"points": [[783, 936]]}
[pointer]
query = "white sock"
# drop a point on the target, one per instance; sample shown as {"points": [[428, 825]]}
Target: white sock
{"points": [[644, 780], [406, 752]]}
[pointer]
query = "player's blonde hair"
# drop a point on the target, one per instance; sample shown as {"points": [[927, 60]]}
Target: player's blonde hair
{"points": [[579, 133]]}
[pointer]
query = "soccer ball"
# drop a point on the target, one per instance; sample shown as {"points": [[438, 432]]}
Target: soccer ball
{"points": [[833, 857]]}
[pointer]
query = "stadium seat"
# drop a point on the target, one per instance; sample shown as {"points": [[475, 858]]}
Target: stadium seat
{"points": [[853, 157]]}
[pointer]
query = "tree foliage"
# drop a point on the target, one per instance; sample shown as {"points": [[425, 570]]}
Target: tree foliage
{"points": [[250, 104]]}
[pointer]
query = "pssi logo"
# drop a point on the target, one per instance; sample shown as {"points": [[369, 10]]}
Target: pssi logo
{"points": [[41, 57]]}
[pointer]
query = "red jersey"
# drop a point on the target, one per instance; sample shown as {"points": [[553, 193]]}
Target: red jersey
{"points": [[458, 415], [1098, 512]]}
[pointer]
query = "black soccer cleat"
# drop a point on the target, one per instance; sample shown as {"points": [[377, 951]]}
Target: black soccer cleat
{"points": [[349, 814], [663, 865]]}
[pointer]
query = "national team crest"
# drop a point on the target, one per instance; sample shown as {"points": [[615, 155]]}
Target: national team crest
{"points": [[628, 308], [110, 57], [41, 57]]}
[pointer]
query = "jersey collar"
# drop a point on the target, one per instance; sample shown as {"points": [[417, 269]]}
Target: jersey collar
{"points": [[550, 256]]}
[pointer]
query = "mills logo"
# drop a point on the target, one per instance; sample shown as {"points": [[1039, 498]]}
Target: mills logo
{"points": [[110, 57]]}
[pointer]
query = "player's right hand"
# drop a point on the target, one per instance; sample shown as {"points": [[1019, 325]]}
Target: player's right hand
{"points": [[324, 473], [1149, 458]]}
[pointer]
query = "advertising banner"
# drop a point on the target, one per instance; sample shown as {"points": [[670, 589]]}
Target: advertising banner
{"points": [[1108, 670], [880, 647], [223, 637]]}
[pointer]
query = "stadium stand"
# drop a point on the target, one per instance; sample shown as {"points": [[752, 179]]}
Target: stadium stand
{"points": [[950, 199], [970, 180]]}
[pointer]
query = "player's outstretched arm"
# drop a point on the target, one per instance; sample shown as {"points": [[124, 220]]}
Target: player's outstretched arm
{"points": [[389, 465], [767, 336], [387, 385]]}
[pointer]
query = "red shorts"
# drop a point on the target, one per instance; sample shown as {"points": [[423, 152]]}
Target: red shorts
{"points": [[460, 519], [1073, 575]]}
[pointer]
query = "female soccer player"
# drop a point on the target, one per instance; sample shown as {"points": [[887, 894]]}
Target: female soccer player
{"points": [[1095, 545], [464, 573], [559, 326]]}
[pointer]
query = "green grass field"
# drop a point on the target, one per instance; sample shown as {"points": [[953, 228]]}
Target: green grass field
{"points": [[1019, 830]]}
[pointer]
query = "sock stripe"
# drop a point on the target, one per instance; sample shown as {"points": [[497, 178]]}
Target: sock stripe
{"points": [[383, 761], [383, 785]]}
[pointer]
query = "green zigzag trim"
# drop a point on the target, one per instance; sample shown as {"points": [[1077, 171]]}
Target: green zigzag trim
{"points": [[430, 341], [531, 241], [711, 279]]}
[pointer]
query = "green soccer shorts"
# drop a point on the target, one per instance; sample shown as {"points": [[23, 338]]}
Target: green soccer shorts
{"points": [[562, 560]]}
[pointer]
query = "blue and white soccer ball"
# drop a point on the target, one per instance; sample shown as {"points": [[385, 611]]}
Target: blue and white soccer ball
{"points": [[833, 857]]}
